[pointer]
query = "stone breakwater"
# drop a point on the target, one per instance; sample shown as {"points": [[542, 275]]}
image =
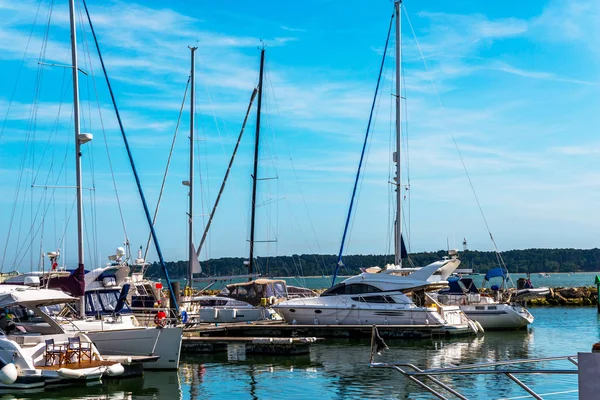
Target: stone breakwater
{"points": [[574, 296]]}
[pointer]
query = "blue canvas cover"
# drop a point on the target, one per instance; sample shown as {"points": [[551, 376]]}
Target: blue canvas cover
{"points": [[494, 273]]}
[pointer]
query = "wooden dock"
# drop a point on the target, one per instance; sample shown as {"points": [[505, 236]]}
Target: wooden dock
{"points": [[277, 329], [252, 345]]}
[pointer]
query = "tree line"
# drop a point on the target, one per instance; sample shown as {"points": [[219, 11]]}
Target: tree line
{"points": [[529, 260]]}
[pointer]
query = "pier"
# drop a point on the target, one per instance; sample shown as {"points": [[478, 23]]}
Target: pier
{"points": [[252, 345], [277, 330]]}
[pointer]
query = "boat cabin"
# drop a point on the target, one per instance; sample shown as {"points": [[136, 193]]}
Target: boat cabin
{"points": [[252, 292]]}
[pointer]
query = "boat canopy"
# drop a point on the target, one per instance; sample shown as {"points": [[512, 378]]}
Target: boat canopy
{"points": [[494, 273], [251, 292], [105, 302], [455, 287], [10, 295]]}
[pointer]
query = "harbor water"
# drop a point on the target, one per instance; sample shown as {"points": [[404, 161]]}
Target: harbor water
{"points": [[339, 369]]}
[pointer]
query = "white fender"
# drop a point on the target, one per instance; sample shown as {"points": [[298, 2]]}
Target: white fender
{"points": [[115, 370], [473, 326], [70, 373], [9, 374], [478, 324]]}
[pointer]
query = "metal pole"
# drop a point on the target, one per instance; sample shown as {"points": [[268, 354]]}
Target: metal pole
{"points": [[398, 225], [80, 254], [254, 175], [191, 250]]}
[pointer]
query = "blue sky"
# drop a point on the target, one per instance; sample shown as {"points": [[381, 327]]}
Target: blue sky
{"points": [[518, 83]]}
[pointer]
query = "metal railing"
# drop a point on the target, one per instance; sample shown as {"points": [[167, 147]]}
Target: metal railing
{"points": [[427, 380]]}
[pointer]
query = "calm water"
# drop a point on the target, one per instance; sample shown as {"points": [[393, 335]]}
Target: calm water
{"points": [[339, 369]]}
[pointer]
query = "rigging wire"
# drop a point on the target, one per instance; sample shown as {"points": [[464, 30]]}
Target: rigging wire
{"points": [[173, 298], [27, 143], [406, 221], [87, 63], [211, 98], [22, 63], [390, 192], [162, 186], [282, 188], [340, 263], [498, 254]]}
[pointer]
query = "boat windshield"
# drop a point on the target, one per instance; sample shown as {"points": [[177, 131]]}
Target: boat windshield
{"points": [[103, 302]]}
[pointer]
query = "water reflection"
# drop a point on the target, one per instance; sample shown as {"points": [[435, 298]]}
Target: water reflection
{"points": [[154, 385], [339, 369]]}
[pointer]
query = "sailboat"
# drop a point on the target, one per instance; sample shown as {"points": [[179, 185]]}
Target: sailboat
{"points": [[101, 311], [239, 302], [379, 296]]}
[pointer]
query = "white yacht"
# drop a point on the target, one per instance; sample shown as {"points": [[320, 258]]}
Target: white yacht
{"points": [[239, 302], [38, 351], [379, 299], [109, 321], [488, 309], [113, 327]]}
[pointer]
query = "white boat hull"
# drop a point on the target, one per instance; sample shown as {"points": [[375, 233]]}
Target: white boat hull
{"points": [[165, 343], [498, 316], [314, 311], [224, 315]]}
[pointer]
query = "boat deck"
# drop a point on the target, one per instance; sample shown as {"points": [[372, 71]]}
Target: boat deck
{"points": [[77, 365]]}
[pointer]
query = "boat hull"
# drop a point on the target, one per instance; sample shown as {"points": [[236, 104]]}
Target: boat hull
{"points": [[165, 343], [316, 311], [499, 316]]}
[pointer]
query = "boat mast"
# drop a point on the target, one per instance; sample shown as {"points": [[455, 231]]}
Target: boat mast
{"points": [[254, 175], [398, 225], [191, 250], [78, 141]]}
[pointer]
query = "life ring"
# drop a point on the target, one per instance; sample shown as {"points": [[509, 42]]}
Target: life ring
{"points": [[160, 319], [272, 300], [463, 301]]}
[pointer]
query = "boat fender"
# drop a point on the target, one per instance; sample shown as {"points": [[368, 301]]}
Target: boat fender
{"points": [[473, 326], [479, 326], [184, 316], [115, 370], [272, 300], [9, 374], [70, 373], [160, 319]]}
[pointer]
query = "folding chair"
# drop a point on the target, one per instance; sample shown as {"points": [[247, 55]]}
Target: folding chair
{"points": [[54, 353], [76, 347]]}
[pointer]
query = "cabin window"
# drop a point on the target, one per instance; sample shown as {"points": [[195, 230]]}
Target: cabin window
{"points": [[374, 299], [479, 307], [492, 308], [318, 311], [355, 288], [279, 289]]}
